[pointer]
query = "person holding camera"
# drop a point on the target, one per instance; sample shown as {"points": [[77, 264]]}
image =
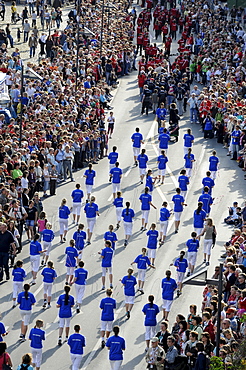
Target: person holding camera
{"points": [[155, 355]]}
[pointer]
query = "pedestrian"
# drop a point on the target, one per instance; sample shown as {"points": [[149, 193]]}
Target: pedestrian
{"points": [[31, 220], [152, 234], [111, 122], [71, 256], [193, 246], [111, 236], [80, 277], [146, 201], [4, 356], [137, 140], [199, 217], [26, 362], [118, 203], [107, 305], [35, 252], [3, 331], [206, 200], [181, 265], [49, 276], [64, 213], [65, 303], [53, 179], [107, 256], [26, 30], [213, 164], [112, 157], [129, 281], [162, 161], [164, 217], [37, 336], [32, 43], [116, 176], [116, 345], [188, 141], [79, 237], [183, 181], [47, 236], [192, 102], [91, 211], [142, 159], [178, 201], [209, 182], [128, 214], [150, 181], [77, 196], [164, 139], [189, 159], [26, 300], [76, 342], [150, 311], [6, 243], [168, 286], [209, 233], [19, 275], [68, 159], [155, 355], [89, 175], [142, 262]]}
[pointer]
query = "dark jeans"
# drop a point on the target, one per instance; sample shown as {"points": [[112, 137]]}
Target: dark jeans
{"points": [[52, 187], [4, 259]]}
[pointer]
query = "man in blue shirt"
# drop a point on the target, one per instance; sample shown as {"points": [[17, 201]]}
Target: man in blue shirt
{"points": [[161, 113], [163, 141], [142, 262], [137, 140], [192, 245], [142, 161], [107, 256], [80, 276], [207, 181], [116, 175], [235, 140], [162, 160], [178, 201], [111, 236], [116, 345], [76, 343], [183, 181], [107, 305], [146, 201], [207, 200], [213, 165], [168, 286], [112, 157], [77, 196]]}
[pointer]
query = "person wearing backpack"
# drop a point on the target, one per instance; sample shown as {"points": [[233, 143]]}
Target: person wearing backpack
{"points": [[202, 361], [26, 361]]}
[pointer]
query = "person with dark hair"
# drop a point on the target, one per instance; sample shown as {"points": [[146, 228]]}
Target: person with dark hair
{"points": [[142, 159], [213, 165], [107, 256], [163, 334], [77, 196], [91, 212], [49, 275], [201, 361], [118, 203], [142, 261], [36, 336], [209, 182], [183, 181], [162, 161], [4, 356], [190, 349], [129, 281], [112, 157], [181, 265], [164, 217], [137, 140], [128, 215], [26, 300], [26, 362], [196, 323], [65, 303], [168, 286], [192, 245], [193, 310], [207, 200], [115, 175], [146, 201], [6, 243], [199, 217], [76, 342], [116, 345], [80, 276], [35, 252], [171, 354], [188, 141], [208, 346], [150, 311], [19, 275], [178, 201], [89, 175], [107, 305]]}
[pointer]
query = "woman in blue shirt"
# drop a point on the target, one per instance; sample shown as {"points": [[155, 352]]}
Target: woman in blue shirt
{"points": [[79, 236], [91, 211], [164, 217], [162, 160], [129, 281], [189, 159], [199, 217], [26, 300], [142, 262], [65, 303], [36, 336], [150, 181], [192, 245], [47, 236], [168, 286], [150, 311], [183, 181], [89, 175], [19, 275], [118, 203], [116, 346], [76, 343], [111, 236], [80, 276], [188, 141], [35, 251], [64, 213], [71, 257], [181, 265], [142, 163], [49, 275], [152, 243], [213, 164], [127, 215]]}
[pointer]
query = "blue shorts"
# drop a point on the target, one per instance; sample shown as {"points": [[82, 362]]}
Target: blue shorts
{"points": [[29, 222]]}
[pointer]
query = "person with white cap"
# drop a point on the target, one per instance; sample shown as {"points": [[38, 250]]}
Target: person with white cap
{"points": [[155, 355]]}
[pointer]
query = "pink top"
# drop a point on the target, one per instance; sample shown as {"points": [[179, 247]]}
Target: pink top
{"points": [[41, 225]]}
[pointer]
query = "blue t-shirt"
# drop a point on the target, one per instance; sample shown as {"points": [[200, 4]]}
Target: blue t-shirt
{"points": [[118, 202], [192, 245], [213, 163], [188, 140], [36, 336], [163, 141], [64, 212], [208, 125], [178, 200], [48, 235], [142, 160], [116, 346], [137, 138], [142, 262], [149, 183], [153, 239], [188, 160], [79, 237], [128, 214], [162, 160], [161, 113], [116, 173], [18, 274], [183, 182], [181, 265], [49, 275], [81, 275], [2, 331], [145, 201], [129, 283], [107, 306], [235, 140], [112, 237], [168, 288], [76, 343], [72, 254], [35, 248], [207, 200], [207, 181], [107, 254], [199, 219], [90, 175], [65, 310], [77, 195], [91, 210], [112, 157], [164, 214], [150, 311], [26, 304]]}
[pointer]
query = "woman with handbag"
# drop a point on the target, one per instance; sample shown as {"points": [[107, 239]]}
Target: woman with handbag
{"points": [[5, 360]]}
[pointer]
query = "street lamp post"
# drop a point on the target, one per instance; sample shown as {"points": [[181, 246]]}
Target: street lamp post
{"points": [[21, 100], [77, 49]]}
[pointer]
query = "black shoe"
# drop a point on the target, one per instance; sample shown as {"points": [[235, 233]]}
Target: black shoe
{"points": [[188, 274], [78, 310], [103, 344], [44, 305], [128, 315], [59, 342]]}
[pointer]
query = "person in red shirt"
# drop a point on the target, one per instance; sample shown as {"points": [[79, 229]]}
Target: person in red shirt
{"points": [[173, 29], [139, 43], [164, 32], [208, 326], [141, 81]]}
